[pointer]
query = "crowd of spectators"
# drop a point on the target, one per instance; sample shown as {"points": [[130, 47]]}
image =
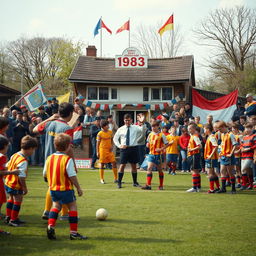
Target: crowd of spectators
{"points": [[22, 121]]}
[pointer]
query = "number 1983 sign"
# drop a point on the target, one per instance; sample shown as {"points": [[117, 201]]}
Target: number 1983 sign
{"points": [[131, 58]]}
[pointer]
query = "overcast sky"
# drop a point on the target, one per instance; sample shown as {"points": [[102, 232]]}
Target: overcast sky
{"points": [[76, 19]]}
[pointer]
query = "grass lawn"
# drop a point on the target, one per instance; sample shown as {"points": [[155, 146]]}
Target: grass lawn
{"points": [[170, 222]]}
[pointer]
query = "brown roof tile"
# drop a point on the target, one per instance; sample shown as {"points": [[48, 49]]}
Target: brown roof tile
{"points": [[102, 70]]}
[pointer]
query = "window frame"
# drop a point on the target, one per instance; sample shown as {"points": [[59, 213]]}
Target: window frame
{"points": [[98, 93], [161, 93]]}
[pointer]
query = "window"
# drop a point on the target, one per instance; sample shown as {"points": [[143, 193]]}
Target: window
{"points": [[113, 93], [166, 93], [145, 93], [103, 93], [92, 93], [155, 94]]}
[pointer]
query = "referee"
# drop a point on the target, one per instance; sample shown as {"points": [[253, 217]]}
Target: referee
{"points": [[126, 138]]}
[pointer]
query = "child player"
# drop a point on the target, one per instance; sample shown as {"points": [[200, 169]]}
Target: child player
{"points": [[60, 173], [4, 143], [237, 154], [172, 150], [194, 157], [248, 145], [228, 146], [15, 185], [165, 130], [211, 158], [156, 143], [105, 150]]}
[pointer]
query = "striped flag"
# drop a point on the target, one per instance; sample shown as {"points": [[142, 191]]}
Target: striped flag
{"points": [[221, 108], [168, 25], [78, 132], [101, 25]]}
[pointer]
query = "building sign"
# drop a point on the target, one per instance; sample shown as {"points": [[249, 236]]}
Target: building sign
{"points": [[131, 58], [82, 163]]}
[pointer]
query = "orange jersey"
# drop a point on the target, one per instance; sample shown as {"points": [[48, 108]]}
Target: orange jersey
{"points": [[194, 141], [173, 148], [228, 140], [56, 172], [105, 139], [156, 140], [238, 138], [13, 181], [210, 145]]}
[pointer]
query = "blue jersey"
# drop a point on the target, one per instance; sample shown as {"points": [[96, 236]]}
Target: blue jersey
{"points": [[51, 129]]}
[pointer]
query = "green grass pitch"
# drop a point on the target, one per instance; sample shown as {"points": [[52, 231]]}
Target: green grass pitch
{"points": [[170, 222]]}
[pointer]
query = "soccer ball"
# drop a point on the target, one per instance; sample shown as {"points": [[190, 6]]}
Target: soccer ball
{"points": [[101, 214]]}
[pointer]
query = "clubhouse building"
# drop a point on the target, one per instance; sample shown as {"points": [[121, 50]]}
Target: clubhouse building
{"points": [[132, 83]]}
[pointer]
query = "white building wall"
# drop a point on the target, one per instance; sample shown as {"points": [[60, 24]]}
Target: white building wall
{"points": [[130, 94]]}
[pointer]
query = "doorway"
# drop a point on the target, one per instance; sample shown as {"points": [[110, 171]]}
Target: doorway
{"points": [[120, 116]]}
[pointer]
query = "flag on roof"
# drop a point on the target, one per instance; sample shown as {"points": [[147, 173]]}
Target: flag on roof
{"points": [[168, 25], [99, 26], [126, 26]]}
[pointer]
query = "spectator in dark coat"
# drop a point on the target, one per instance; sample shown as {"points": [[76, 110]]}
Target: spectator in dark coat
{"points": [[239, 111], [9, 131], [42, 113], [188, 110], [48, 108], [20, 129], [55, 106], [94, 130]]}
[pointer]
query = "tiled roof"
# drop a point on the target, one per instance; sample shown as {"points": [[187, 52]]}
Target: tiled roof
{"points": [[102, 70]]}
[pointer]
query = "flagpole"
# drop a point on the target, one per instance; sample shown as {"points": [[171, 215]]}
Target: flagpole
{"points": [[101, 36], [172, 34], [129, 38], [161, 46]]}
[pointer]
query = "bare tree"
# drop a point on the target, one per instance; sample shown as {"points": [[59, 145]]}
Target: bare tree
{"points": [[231, 35], [48, 59], [5, 65], [147, 39], [29, 59]]}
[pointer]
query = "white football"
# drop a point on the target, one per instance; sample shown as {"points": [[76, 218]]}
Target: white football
{"points": [[101, 214]]}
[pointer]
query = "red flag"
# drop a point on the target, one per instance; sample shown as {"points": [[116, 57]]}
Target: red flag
{"points": [[104, 26], [165, 105], [221, 108], [97, 106], [126, 26], [168, 25]]}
